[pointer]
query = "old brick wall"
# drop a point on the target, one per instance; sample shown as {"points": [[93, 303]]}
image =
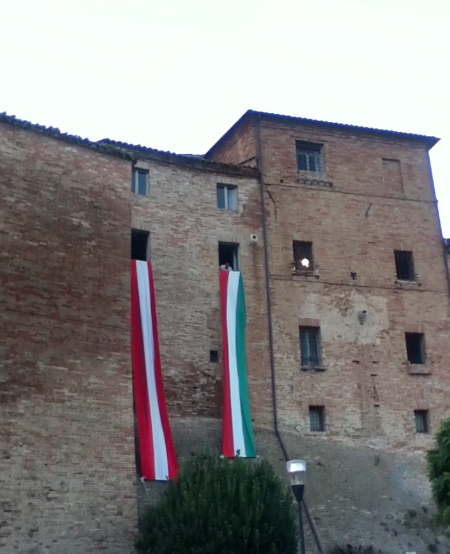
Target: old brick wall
{"points": [[238, 148], [185, 226], [373, 197], [66, 411]]}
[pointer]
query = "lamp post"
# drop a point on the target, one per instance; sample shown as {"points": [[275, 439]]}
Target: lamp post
{"points": [[297, 476]]}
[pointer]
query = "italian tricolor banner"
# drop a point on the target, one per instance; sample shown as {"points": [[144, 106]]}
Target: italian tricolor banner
{"points": [[157, 453], [237, 437]]}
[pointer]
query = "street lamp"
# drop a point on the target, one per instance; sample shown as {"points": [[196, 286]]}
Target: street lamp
{"points": [[297, 476]]}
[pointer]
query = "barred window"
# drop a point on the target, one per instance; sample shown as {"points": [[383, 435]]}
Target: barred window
{"points": [[309, 156], [317, 419]]}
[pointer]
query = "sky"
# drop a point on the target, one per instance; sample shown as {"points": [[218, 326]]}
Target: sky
{"points": [[175, 75]]}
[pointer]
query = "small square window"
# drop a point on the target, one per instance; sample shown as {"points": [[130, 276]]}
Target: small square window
{"points": [[421, 420], [139, 245], [139, 181], [228, 256], [310, 346], [227, 197], [309, 156], [415, 348], [214, 356], [317, 419], [404, 265], [303, 255]]}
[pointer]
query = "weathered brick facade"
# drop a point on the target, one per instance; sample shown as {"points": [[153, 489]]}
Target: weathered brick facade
{"points": [[66, 214]]}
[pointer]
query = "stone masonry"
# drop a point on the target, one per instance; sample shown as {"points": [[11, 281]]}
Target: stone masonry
{"points": [[67, 472]]}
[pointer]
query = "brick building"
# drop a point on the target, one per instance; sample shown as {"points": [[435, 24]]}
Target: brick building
{"points": [[336, 231]]}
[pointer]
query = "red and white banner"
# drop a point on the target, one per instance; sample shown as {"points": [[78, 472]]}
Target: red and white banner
{"points": [[157, 452]]}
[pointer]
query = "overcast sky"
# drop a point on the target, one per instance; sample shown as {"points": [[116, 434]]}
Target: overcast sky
{"points": [[175, 74]]}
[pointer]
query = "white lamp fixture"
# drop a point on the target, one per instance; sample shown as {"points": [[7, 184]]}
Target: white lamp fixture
{"points": [[297, 477]]}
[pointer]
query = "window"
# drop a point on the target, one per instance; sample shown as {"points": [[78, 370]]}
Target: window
{"points": [[309, 346], [415, 348], [139, 181], [421, 419], [214, 356], [317, 419], [303, 257], [309, 156], [139, 245], [404, 265], [227, 197], [228, 254]]}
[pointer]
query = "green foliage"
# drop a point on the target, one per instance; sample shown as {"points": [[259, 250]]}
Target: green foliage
{"points": [[438, 460], [220, 506], [349, 549]]}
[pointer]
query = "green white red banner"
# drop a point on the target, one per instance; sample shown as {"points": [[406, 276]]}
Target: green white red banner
{"points": [[237, 438]]}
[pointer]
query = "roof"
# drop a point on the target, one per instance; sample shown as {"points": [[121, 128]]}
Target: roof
{"points": [[55, 133], [251, 115], [191, 160]]}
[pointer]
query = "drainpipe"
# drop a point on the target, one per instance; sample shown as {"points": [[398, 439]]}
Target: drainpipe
{"points": [[270, 323]]}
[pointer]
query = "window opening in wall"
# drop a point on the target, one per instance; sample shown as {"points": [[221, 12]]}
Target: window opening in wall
{"points": [[139, 181], [415, 347], [309, 156], [421, 420], [404, 265], [303, 255], [310, 346], [317, 419], [214, 356], [227, 197], [139, 245], [228, 256]]}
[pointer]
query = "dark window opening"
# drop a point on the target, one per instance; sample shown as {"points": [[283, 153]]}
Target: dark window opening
{"points": [[309, 156], [227, 197], [404, 265], [421, 420], [139, 244], [317, 419], [415, 348], [139, 181], [228, 255], [309, 346], [303, 255], [214, 356]]}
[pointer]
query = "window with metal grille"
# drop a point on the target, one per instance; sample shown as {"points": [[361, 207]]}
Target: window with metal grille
{"points": [[317, 419], [227, 197], [139, 181], [421, 420], [415, 348], [214, 356], [303, 255], [310, 346], [309, 156], [139, 245], [404, 265]]}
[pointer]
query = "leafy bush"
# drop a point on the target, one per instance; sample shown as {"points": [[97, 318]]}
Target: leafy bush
{"points": [[438, 460], [220, 506], [349, 549]]}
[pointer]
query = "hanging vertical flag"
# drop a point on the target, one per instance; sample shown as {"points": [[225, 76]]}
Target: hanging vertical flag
{"points": [[157, 453], [237, 439]]}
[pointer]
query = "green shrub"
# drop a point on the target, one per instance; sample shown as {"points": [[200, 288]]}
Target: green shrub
{"points": [[438, 460], [220, 506], [349, 549]]}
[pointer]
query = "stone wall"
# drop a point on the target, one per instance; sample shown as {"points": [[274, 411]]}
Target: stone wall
{"points": [[66, 407]]}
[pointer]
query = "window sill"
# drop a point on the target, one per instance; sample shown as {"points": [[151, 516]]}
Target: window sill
{"points": [[314, 179], [418, 369], [403, 283], [305, 273], [312, 368]]}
